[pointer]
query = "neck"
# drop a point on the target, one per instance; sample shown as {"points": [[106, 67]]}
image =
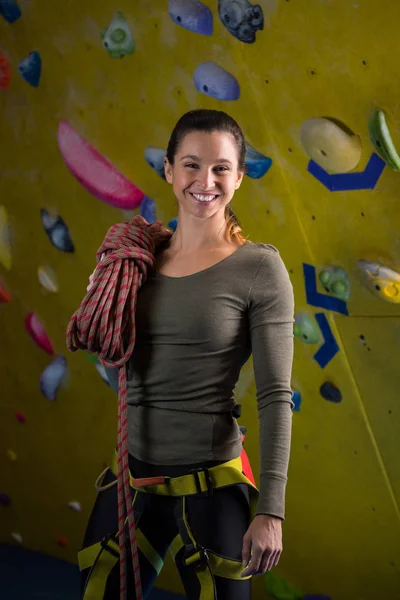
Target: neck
{"points": [[193, 234]]}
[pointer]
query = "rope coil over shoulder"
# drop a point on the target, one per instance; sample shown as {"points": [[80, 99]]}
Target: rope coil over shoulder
{"points": [[105, 324]]}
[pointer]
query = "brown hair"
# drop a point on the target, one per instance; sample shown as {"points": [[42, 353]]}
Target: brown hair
{"points": [[209, 121]]}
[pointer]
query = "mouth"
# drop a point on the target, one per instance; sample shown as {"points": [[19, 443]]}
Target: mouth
{"points": [[204, 198]]}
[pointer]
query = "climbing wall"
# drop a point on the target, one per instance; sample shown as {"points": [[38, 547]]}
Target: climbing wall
{"points": [[89, 95]]}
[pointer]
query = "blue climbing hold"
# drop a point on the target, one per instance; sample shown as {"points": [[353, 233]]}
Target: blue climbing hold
{"points": [[257, 164], [330, 392], [10, 10], [31, 68], [192, 15], [296, 399], [212, 80], [148, 209], [173, 223]]}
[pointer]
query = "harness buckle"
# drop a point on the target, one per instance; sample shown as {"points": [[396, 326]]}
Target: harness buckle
{"points": [[105, 546], [200, 563], [210, 489]]}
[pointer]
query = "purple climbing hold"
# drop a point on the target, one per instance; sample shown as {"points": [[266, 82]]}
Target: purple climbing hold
{"points": [[316, 597], [5, 500]]}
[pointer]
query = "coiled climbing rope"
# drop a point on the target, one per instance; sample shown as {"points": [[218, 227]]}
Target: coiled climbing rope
{"points": [[105, 324]]}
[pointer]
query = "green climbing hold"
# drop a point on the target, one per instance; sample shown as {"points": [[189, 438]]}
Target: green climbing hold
{"points": [[382, 140], [306, 329], [335, 282], [92, 358], [280, 589], [117, 38]]}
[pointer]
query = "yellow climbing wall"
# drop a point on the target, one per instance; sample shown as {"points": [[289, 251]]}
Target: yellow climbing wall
{"points": [[313, 58]]}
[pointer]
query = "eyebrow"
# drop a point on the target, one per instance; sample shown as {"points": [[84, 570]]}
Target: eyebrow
{"points": [[193, 157]]}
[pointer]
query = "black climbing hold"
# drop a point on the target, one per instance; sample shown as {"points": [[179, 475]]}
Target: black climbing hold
{"points": [[330, 392]]}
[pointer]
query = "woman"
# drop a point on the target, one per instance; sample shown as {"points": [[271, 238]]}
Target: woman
{"points": [[212, 300]]}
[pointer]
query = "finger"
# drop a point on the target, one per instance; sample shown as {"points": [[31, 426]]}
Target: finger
{"points": [[246, 552], [254, 563], [276, 559], [265, 562]]}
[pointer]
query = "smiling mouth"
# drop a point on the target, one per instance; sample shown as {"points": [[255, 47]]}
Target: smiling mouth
{"points": [[204, 198]]}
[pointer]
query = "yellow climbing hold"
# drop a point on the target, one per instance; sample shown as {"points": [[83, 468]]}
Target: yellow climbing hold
{"points": [[382, 281], [330, 146]]}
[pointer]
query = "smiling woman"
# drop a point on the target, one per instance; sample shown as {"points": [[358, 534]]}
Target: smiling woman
{"points": [[207, 301]]}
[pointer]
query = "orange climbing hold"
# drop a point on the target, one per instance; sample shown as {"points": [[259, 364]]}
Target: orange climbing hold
{"points": [[5, 294], [62, 541], [5, 72]]}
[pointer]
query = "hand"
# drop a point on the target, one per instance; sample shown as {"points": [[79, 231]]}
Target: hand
{"points": [[262, 545]]}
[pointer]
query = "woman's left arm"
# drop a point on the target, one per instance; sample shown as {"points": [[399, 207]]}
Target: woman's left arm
{"points": [[271, 318]]}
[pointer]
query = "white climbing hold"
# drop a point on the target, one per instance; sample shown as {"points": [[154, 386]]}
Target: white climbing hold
{"points": [[76, 506], [17, 537]]}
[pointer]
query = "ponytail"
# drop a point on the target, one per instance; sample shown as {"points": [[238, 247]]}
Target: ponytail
{"points": [[233, 231]]}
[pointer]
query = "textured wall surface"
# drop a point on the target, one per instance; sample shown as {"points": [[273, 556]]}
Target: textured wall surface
{"points": [[88, 98]]}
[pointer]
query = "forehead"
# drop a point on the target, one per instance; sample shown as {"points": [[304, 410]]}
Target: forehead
{"points": [[216, 144]]}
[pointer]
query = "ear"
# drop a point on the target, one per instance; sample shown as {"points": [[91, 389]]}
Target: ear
{"points": [[168, 170], [239, 179]]}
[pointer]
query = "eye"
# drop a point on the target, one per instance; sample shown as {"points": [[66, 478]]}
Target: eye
{"points": [[221, 169], [191, 166]]}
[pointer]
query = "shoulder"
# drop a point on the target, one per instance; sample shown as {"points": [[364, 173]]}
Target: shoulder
{"points": [[271, 276]]}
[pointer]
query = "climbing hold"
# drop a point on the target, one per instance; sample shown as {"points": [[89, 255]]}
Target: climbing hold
{"points": [[257, 164], [48, 278], [155, 159], [173, 223], [101, 371], [5, 294], [335, 282], [17, 537], [214, 81], [330, 392], [11, 455], [10, 10], [241, 19], [20, 416], [52, 377], [5, 500], [382, 140], [117, 38], [148, 209], [36, 330], [330, 146], [75, 506], [97, 175], [382, 281], [296, 399], [316, 597], [5, 246], [192, 15], [306, 329], [63, 541], [5, 70], [57, 231], [91, 357], [31, 68], [280, 589]]}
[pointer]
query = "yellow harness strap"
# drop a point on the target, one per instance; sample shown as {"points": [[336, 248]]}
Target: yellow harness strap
{"points": [[102, 560], [197, 482]]}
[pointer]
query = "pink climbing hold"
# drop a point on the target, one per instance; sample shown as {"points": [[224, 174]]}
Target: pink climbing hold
{"points": [[38, 333], [20, 416], [97, 175]]}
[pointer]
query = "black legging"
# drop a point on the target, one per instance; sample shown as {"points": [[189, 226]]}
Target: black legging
{"points": [[218, 523]]}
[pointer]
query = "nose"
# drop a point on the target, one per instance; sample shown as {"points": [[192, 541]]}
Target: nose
{"points": [[206, 179]]}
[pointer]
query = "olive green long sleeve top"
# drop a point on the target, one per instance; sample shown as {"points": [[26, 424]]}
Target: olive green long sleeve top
{"points": [[193, 336]]}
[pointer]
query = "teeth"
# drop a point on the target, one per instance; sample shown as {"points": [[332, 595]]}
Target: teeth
{"points": [[204, 198]]}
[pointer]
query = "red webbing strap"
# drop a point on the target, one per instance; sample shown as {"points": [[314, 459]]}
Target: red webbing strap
{"points": [[105, 324]]}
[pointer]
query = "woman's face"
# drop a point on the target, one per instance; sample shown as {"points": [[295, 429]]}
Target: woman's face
{"points": [[205, 173]]}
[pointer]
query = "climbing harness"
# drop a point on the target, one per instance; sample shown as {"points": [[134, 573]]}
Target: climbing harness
{"points": [[102, 556], [105, 324]]}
